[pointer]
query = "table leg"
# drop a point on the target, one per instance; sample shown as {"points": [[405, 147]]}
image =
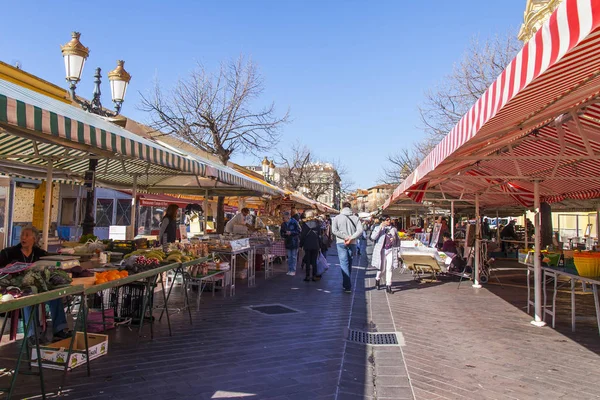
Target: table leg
{"points": [[528, 290], [169, 292], [165, 300], [25, 348], [554, 301], [233, 267], [186, 299], [573, 282], [595, 290], [144, 306], [544, 300]]}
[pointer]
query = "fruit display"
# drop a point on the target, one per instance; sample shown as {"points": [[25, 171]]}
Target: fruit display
{"points": [[103, 277], [137, 264], [177, 256]]}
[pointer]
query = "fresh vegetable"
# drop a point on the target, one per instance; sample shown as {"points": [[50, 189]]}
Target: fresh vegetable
{"points": [[85, 238]]}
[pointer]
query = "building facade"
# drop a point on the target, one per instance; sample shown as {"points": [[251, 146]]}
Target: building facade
{"points": [[377, 195], [536, 13]]}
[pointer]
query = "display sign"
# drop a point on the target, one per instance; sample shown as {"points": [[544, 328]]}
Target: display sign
{"points": [[117, 232], [183, 233], [435, 235]]}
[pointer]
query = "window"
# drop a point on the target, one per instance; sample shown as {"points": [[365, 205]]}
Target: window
{"points": [[104, 212], [123, 212], [68, 212]]}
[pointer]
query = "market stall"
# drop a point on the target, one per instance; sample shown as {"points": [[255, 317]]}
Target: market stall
{"points": [[532, 137]]}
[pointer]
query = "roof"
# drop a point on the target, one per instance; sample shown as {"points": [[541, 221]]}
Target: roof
{"points": [[36, 128], [539, 121]]}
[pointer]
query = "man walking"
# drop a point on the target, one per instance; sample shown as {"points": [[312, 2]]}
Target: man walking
{"points": [[346, 227]]}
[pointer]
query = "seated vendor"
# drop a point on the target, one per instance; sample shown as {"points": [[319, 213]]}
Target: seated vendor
{"points": [[449, 246], [238, 219], [27, 251]]}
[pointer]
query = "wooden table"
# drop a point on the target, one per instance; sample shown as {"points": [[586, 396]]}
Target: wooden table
{"points": [[34, 300]]}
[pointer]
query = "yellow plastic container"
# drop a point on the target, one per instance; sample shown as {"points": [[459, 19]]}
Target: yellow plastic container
{"points": [[587, 264]]}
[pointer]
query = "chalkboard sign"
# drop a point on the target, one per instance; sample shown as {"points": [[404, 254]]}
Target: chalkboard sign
{"points": [[435, 235]]}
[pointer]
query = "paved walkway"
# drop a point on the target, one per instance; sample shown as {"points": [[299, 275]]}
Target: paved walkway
{"points": [[459, 344]]}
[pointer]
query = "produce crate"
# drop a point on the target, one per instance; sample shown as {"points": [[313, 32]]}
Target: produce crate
{"points": [[54, 355]]}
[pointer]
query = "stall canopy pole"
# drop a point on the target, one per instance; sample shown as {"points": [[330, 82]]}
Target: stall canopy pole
{"points": [[476, 284], [205, 211], [597, 223], [131, 234], [47, 206], [497, 227], [526, 231], [452, 219], [537, 266]]}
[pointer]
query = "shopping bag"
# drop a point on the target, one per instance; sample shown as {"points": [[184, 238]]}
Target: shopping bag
{"points": [[322, 264]]}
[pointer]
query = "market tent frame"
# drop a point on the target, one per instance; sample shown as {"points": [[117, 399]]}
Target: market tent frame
{"points": [[50, 139], [533, 136]]}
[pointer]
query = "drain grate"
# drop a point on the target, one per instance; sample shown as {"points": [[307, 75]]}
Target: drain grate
{"points": [[373, 339], [273, 309]]}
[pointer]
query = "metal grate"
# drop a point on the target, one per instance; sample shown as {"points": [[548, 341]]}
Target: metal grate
{"points": [[274, 309], [373, 339]]}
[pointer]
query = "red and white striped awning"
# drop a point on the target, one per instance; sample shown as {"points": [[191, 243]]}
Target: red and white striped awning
{"points": [[540, 120]]}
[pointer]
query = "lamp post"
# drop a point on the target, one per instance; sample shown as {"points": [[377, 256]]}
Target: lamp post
{"points": [[265, 168], [75, 54], [271, 171]]}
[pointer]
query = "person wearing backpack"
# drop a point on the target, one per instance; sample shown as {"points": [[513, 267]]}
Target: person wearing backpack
{"points": [[290, 230], [310, 241], [346, 227]]}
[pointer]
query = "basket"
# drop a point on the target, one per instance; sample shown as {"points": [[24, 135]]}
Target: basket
{"points": [[587, 264]]}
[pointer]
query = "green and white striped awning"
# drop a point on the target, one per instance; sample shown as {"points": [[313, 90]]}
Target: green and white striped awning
{"points": [[35, 129]]}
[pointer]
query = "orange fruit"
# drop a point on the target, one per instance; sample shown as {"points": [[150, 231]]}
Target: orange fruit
{"points": [[100, 281]]}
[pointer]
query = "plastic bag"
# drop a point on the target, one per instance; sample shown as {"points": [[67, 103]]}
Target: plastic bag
{"points": [[322, 264]]}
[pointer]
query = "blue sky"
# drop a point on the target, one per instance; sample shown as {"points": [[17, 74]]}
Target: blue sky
{"points": [[351, 72]]}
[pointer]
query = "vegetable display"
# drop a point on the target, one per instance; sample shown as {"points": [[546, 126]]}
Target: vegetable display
{"points": [[37, 280]]}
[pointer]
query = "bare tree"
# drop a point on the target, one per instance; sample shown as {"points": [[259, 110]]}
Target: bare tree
{"points": [[217, 113], [481, 64], [300, 170], [402, 163], [449, 101]]}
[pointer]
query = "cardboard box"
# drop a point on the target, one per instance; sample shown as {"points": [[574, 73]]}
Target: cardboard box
{"points": [[55, 354]]}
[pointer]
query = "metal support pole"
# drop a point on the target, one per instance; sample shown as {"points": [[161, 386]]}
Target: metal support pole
{"points": [[476, 283], [88, 221], [133, 208], [497, 227], [205, 209], [526, 232], [537, 266], [47, 206], [597, 223], [452, 219]]}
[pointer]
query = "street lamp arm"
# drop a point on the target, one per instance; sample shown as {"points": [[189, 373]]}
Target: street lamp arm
{"points": [[94, 106]]}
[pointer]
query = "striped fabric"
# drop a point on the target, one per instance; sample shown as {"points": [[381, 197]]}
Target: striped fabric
{"points": [[557, 70], [61, 126]]}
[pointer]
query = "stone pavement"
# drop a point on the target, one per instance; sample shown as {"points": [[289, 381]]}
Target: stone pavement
{"points": [[459, 344]]}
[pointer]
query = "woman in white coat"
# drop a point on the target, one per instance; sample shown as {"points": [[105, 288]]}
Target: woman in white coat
{"points": [[385, 252]]}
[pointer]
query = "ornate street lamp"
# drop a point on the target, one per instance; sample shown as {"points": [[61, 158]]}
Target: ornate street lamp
{"points": [[75, 54], [271, 171], [265, 168]]}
